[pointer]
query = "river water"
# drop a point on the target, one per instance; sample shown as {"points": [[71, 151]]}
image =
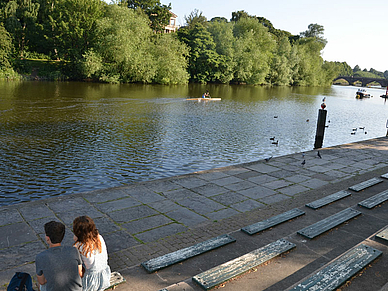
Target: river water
{"points": [[69, 137]]}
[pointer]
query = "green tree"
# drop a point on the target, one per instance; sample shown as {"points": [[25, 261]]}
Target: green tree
{"points": [[195, 17], [170, 60], [124, 46], [236, 16], [222, 34], [366, 74], [356, 68], [159, 14], [253, 48], [6, 48], [315, 31], [204, 61], [19, 17], [218, 19], [71, 27], [377, 73], [282, 63], [308, 70]]}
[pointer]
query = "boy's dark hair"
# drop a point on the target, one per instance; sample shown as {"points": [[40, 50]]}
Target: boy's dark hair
{"points": [[55, 231]]}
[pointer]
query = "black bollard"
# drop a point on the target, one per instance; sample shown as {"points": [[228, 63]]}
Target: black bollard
{"points": [[320, 128]]}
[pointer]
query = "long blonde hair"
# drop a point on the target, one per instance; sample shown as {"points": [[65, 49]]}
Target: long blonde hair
{"points": [[87, 235]]}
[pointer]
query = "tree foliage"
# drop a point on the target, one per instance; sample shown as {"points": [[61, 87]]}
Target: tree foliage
{"points": [[6, 48], [19, 18], [71, 28], [315, 31], [127, 51], [195, 17], [121, 42], [159, 14]]}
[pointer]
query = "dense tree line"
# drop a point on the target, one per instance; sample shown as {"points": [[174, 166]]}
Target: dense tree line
{"points": [[122, 42]]}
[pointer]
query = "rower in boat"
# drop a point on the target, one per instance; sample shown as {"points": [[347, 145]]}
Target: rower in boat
{"points": [[206, 94]]}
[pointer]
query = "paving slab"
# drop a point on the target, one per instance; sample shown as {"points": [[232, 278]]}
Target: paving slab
{"points": [[257, 192], [147, 223], [104, 195], [229, 198], [201, 205], [16, 234], [247, 205], [210, 190], [133, 213], [186, 217], [8, 216], [117, 204]]}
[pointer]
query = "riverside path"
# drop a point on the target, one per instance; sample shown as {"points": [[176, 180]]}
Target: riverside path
{"points": [[147, 220]]}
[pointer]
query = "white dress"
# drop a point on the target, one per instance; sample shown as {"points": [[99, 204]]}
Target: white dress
{"points": [[97, 270]]}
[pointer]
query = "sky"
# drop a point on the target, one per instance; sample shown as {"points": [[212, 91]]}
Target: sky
{"points": [[356, 31]]}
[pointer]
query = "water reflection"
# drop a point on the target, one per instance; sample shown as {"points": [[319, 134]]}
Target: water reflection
{"points": [[62, 138]]}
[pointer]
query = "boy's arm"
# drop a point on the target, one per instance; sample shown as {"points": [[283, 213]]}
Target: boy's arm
{"points": [[41, 279], [80, 271]]}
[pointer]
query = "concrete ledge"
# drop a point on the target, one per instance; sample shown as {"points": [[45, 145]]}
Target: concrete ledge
{"points": [[270, 222], [240, 265], [328, 223], [340, 270], [183, 254]]}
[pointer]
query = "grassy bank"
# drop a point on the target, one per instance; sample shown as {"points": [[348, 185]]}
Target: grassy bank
{"points": [[34, 69]]}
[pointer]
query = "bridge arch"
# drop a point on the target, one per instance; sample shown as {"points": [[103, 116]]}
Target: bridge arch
{"points": [[365, 81]]}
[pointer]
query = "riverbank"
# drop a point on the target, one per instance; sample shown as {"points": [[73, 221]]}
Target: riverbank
{"points": [[145, 220]]}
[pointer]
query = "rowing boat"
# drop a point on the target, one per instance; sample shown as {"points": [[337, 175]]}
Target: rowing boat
{"points": [[204, 99]]}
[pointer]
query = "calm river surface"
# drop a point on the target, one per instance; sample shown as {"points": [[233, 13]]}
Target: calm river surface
{"points": [[62, 138]]}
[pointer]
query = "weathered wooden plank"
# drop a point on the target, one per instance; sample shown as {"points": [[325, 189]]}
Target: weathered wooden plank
{"points": [[328, 199], [366, 184], [340, 270], [383, 234], [183, 254], [115, 279], [384, 176], [329, 223], [375, 200], [233, 268], [270, 222]]}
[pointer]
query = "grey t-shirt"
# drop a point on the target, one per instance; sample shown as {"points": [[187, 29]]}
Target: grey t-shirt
{"points": [[60, 268]]}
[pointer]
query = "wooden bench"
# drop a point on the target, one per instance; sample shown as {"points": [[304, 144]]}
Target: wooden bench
{"points": [[328, 199], [240, 265], [115, 279], [270, 222], [383, 235], [328, 223], [366, 184], [374, 200], [183, 254], [340, 270]]}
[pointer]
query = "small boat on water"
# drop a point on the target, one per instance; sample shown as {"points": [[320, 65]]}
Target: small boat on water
{"points": [[204, 99], [361, 93]]}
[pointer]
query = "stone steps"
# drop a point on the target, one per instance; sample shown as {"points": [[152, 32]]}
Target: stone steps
{"points": [[334, 274]]}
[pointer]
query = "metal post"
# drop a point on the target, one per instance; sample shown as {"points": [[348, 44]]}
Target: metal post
{"points": [[320, 128], [386, 125]]}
